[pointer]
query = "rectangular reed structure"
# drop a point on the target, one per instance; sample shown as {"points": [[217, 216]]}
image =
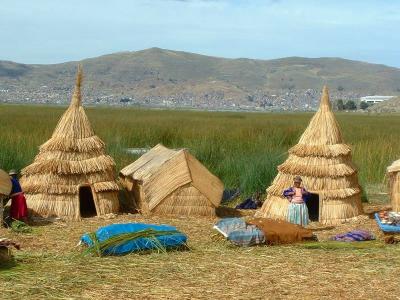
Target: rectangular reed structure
{"points": [[172, 182]]}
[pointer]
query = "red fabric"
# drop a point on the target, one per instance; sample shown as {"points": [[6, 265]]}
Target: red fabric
{"points": [[18, 210]]}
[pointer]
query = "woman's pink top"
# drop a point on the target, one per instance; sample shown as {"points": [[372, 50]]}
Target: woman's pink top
{"points": [[298, 196]]}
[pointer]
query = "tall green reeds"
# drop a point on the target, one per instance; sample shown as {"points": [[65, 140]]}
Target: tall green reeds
{"points": [[243, 149]]}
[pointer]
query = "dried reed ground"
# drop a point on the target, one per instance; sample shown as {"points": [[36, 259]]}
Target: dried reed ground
{"points": [[48, 267]]}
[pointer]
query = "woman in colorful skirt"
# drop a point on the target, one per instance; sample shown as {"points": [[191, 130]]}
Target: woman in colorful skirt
{"points": [[297, 196], [18, 209]]}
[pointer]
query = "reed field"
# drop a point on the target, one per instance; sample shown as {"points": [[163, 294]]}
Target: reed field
{"points": [[243, 149]]}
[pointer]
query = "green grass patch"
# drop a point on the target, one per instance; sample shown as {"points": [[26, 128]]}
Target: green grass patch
{"points": [[335, 245]]}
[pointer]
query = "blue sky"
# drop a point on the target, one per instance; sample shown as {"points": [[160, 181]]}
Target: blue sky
{"points": [[50, 31]]}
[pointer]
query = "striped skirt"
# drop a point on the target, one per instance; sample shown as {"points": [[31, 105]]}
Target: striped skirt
{"points": [[298, 214]]}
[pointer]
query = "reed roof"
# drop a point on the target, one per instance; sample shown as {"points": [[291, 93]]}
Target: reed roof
{"points": [[146, 165], [394, 167]]}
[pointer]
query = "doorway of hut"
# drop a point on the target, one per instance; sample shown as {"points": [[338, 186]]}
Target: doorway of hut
{"points": [[86, 202], [313, 207]]}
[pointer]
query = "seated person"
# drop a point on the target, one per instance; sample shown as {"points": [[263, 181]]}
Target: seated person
{"points": [[19, 209]]}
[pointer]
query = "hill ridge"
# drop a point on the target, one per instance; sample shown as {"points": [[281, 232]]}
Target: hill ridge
{"points": [[157, 76]]}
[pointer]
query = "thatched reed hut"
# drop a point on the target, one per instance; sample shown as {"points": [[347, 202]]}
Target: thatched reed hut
{"points": [[72, 177], [324, 162], [5, 183], [165, 181], [393, 172], [5, 190]]}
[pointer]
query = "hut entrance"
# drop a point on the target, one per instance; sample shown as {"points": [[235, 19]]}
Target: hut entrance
{"points": [[313, 207], [86, 202]]}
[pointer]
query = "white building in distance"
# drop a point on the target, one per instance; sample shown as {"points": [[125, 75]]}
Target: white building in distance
{"points": [[375, 99]]}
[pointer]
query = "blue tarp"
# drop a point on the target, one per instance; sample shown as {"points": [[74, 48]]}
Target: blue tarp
{"points": [[228, 225], [385, 227], [168, 241], [248, 237], [239, 233]]}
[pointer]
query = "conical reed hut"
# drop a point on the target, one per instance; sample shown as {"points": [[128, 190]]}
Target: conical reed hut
{"points": [[393, 172], [324, 163], [72, 177], [172, 182]]}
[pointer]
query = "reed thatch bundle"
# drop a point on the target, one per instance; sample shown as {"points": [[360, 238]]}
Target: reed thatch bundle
{"points": [[5, 183], [5, 190], [165, 181], [393, 172], [74, 157], [324, 163]]}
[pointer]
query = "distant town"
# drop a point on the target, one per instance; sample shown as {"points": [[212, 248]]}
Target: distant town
{"points": [[297, 100]]}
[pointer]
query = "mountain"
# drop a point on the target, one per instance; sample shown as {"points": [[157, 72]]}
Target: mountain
{"points": [[174, 78], [388, 106]]}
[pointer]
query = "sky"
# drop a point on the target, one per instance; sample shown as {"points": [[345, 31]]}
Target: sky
{"points": [[51, 31]]}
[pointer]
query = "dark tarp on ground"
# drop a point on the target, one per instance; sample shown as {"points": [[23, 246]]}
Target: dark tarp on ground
{"points": [[247, 204]]}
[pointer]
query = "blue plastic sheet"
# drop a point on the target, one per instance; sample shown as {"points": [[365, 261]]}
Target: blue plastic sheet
{"points": [[386, 227], [247, 237], [239, 233], [168, 241], [227, 225]]}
